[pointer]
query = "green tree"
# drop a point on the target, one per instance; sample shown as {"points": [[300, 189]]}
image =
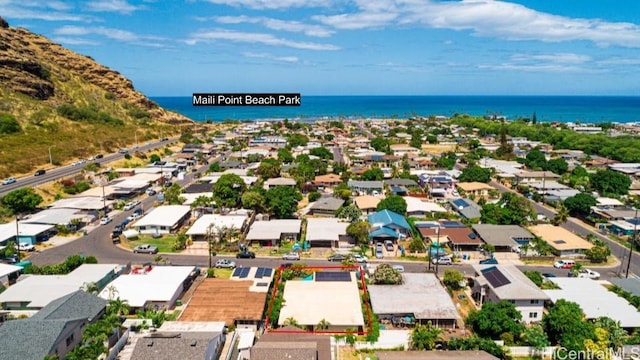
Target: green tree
{"points": [[510, 210], [228, 190], [393, 203], [359, 231], [493, 320], [535, 336], [565, 324], [349, 212], [558, 166], [23, 200], [562, 214], [447, 160], [322, 153], [282, 201], [536, 160], [314, 196], [296, 140], [580, 204], [269, 168], [380, 144], [416, 245], [416, 141], [617, 335], [598, 254], [9, 124], [453, 278], [535, 276], [285, 156], [173, 195], [374, 174], [118, 307], [154, 158], [608, 182], [215, 167], [386, 275], [425, 337], [475, 173]]}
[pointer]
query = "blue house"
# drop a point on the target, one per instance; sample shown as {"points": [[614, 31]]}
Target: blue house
{"points": [[388, 225]]}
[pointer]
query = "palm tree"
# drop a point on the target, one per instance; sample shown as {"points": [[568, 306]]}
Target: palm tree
{"points": [[291, 321], [561, 216], [90, 287], [118, 307], [322, 325]]}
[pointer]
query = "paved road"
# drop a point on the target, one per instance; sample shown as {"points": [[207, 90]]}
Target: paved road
{"points": [[68, 170], [578, 227]]}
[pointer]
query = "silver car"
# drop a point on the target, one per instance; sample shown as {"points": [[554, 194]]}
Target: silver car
{"points": [[291, 256], [225, 263]]}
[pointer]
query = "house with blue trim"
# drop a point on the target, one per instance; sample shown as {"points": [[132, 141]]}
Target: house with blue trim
{"points": [[388, 225]]}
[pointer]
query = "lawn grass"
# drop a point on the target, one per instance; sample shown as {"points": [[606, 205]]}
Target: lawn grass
{"points": [[164, 244], [223, 273]]}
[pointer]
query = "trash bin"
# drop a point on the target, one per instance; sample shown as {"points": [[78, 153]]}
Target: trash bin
{"points": [[179, 302], [84, 232]]}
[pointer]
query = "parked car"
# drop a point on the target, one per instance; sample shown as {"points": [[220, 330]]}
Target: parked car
{"points": [[379, 254], [150, 192], [145, 249], [549, 275], [388, 244], [138, 211], [131, 204], [443, 260], [123, 151], [337, 257], [225, 263], [398, 268], [26, 247], [133, 217], [246, 255], [291, 256], [39, 172], [359, 258], [564, 264], [105, 220], [99, 156], [119, 228], [115, 238], [157, 235], [10, 259], [588, 273], [9, 180], [489, 261]]}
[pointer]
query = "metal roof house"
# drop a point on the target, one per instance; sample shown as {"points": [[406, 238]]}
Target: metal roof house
{"points": [[503, 237], [163, 219], [495, 283], [388, 225]]}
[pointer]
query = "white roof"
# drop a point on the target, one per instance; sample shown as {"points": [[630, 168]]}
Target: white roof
{"points": [[595, 300], [131, 183], [280, 181], [53, 217], [325, 229], [420, 294], [604, 201], [519, 286], [248, 180], [338, 302], [190, 198], [416, 204], [202, 224], [82, 202], [8, 230], [268, 230], [167, 215], [160, 284], [39, 290], [6, 269]]}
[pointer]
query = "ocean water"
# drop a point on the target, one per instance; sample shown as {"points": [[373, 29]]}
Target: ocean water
{"points": [[583, 109]]}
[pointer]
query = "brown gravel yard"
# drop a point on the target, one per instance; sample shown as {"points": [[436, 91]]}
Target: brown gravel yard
{"points": [[224, 300]]}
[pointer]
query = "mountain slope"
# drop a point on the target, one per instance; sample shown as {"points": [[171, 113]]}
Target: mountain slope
{"points": [[52, 98]]}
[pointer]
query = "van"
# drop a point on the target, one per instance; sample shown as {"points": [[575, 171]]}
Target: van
{"points": [[564, 264]]}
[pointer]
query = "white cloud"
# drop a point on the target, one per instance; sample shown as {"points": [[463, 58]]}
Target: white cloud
{"points": [[273, 4], [255, 38], [74, 41], [489, 18], [565, 58], [550, 67], [287, 59], [119, 6], [47, 11], [110, 33], [276, 24], [401, 67]]}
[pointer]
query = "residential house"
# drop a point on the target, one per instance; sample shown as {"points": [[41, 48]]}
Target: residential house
{"points": [[474, 189], [327, 232], [563, 242], [387, 224], [271, 233], [286, 345], [270, 141], [366, 187], [457, 235], [467, 208], [326, 206], [165, 219], [526, 177], [390, 302], [495, 283], [281, 181], [417, 207], [504, 238], [184, 339], [327, 181], [367, 203]]}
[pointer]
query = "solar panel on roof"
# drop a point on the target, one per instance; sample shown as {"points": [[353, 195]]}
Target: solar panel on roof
{"points": [[236, 272], [259, 273], [452, 224], [262, 284], [633, 221], [460, 203], [244, 273], [495, 277], [333, 276], [559, 242], [267, 271]]}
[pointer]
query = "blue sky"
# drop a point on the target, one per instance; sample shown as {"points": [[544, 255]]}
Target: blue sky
{"points": [[347, 47]]}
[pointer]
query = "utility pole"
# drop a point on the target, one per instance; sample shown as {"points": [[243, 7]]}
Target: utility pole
{"points": [[633, 242]]}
